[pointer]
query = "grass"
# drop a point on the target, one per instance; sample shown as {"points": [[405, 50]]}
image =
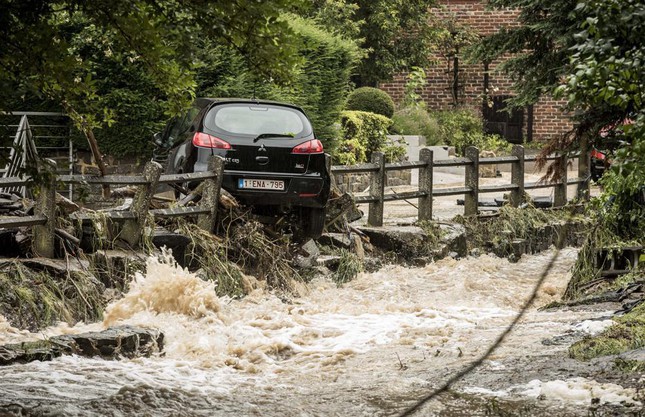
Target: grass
{"points": [[348, 268], [497, 233], [35, 300], [627, 334]]}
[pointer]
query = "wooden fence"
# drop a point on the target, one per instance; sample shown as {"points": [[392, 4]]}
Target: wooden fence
{"points": [[471, 189], [43, 226], [133, 219]]}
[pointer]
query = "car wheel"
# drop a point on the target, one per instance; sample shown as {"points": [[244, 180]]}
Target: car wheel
{"points": [[311, 223]]}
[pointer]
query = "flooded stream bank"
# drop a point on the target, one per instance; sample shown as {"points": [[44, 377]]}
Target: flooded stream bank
{"points": [[371, 347]]}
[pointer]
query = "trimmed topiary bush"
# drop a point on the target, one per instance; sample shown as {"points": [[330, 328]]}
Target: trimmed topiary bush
{"points": [[370, 99]]}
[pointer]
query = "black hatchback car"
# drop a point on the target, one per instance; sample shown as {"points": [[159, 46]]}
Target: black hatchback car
{"points": [[274, 163]]}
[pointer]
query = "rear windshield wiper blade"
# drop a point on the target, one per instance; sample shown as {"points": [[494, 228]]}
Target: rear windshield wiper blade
{"points": [[272, 135]]}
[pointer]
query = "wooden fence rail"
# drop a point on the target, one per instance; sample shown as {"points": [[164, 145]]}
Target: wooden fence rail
{"points": [[471, 189], [43, 221], [133, 219]]}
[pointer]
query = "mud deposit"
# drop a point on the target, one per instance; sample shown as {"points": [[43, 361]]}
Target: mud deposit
{"points": [[370, 348]]}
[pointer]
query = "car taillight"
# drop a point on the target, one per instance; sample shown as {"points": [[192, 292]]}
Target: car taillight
{"points": [[597, 154], [311, 146], [207, 141]]}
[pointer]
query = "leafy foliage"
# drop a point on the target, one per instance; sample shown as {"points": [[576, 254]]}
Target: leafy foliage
{"points": [[393, 34], [595, 47], [55, 50], [463, 127], [319, 85], [535, 54], [362, 134], [370, 99], [416, 121]]}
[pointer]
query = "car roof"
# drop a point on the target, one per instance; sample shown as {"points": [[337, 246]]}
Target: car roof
{"points": [[208, 101]]}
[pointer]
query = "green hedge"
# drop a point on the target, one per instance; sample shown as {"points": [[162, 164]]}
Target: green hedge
{"points": [[320, 86]]}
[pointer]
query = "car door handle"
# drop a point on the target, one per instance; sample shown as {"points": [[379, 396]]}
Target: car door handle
{"points": [[262, 160]]}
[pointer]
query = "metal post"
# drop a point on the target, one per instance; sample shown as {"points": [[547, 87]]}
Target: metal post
{"points": [[560, 192], [584, 173], [377, 189], [43, 235], [210, 194], [517, 176], [471, 200], [132, 229], [425, 184]]}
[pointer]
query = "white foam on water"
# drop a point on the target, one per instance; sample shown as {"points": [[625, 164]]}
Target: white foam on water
{"points": [[593, 327], [217, 345], [581, 391]]}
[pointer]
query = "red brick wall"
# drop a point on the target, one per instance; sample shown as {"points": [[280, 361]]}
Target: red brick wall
{"points": [[548, 119]]}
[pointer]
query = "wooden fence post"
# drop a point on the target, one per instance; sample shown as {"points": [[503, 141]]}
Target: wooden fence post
{"points": [[210, 194], [584, 173], [471, 200], [132, 229], [560, 191], [517, 176], [425, 184], [377, 189], [43, 235]]}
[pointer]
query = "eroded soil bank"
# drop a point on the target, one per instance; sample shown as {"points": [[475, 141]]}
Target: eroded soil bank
{"points": [[373, 346]]}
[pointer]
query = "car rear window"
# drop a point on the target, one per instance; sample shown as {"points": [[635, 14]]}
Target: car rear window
{"points": [[254, 119]]}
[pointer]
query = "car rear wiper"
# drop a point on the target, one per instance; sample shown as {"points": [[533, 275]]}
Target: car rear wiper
{"points": [[272, 135]]}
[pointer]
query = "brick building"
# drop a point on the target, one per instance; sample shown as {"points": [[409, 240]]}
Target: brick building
{"points": [[453, 82]]}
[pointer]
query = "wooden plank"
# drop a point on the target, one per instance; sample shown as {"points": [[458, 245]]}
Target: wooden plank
{"points": [[12, 182], [498, 160], [365, 199], [112, 215], [399, 166], [498, 188], [456, 162], [438, 192], [404, 196], [536, 185], [349, 169], [180, 211], [106, 180], [10, 222], [192, 176]]}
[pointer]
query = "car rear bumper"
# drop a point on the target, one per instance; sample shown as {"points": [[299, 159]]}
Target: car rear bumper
{"points": [[300, 190]]}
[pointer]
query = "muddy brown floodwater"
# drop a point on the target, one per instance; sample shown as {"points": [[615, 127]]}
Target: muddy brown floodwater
{"points": [[369, 348]]}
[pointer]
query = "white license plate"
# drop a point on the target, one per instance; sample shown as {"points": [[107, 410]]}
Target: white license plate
{"points": [[255, 184]]}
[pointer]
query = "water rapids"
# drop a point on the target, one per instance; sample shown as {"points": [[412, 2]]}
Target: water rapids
{"points": [[371, 347]]}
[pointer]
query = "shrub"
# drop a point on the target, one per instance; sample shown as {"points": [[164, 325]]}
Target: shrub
{"points": [[362, 134], [370, 99], [416, 121], [463, 127]]}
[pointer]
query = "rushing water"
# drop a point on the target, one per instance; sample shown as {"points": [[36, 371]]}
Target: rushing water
{"points": [[371, 347]]}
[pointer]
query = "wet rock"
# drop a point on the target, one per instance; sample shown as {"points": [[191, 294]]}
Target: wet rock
{"points": [[407, 242], [453, 242], [173, 241], [308, 255], [113, 343], [337, 240], [115, 268]]}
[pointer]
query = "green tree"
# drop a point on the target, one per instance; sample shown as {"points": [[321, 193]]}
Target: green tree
{"points": [[52, 49], [394, 34], [591, 54]]}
